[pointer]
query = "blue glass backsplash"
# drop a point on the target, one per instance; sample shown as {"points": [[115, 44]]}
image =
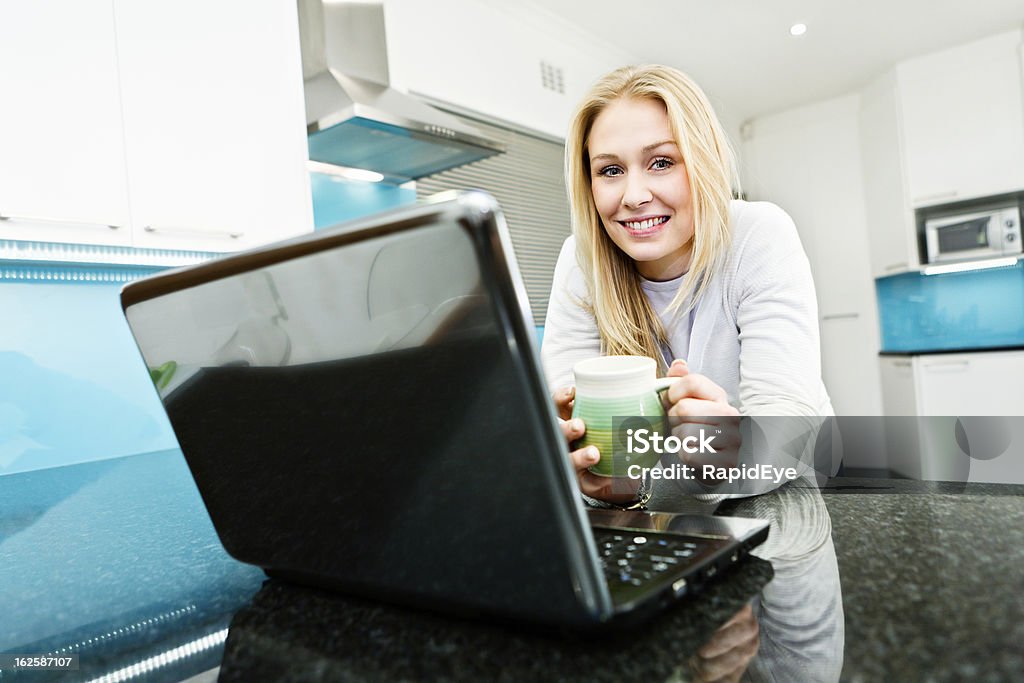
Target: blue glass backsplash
{"points": [[972, 310], [73, 387], [336, 199]]}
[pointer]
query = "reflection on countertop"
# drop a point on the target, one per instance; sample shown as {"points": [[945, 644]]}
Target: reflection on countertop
{"points": [[292, 633], [873, 580], [115, 560]]}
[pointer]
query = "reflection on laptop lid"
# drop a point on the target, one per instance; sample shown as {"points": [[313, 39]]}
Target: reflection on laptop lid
{"points": [[363, 409]]}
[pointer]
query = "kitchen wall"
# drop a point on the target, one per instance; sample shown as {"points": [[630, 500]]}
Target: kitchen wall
{"points": [[337, 199], [807, 160], [844, 169], [69, 367], [498, 67], [490, 57], [73, 387], [851, 171]]}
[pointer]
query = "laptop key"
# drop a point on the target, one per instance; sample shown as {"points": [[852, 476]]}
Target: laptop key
{"points": [[636, 560]]}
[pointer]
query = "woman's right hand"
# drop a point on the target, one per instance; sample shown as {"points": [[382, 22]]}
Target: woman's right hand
{"points": [[617, 490], [572, 429]]}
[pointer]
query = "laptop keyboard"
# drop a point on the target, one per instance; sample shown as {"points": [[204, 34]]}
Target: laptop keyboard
{"points": [[638, 558]]}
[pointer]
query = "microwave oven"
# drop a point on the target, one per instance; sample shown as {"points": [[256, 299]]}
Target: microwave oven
{"points": [[976, 235]]}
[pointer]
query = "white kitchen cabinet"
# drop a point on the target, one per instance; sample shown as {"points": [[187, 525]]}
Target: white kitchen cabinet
{"points": [[899, 396], [965, 385], [939, 389], [898, 393], [971, 383], [848, 342], [61, 144], [214, 122], [141, 123], [889, 220], [940, 128], [985, 383], [963, 121]]}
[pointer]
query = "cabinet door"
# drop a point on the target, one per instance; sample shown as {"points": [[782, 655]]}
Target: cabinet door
{"points": [[847, 364], [945, 385], [965, 386], [963, 121], [214, 122], [903, 450], [61, 148], [890, 222], [898, 388], [972, 384]]}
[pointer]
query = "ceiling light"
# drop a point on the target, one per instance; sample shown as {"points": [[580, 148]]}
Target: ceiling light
{"points": [[344, 172], [970, 265], [797, 29]]}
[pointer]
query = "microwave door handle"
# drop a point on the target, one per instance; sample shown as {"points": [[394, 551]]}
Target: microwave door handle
{"points": [[995, 233]]}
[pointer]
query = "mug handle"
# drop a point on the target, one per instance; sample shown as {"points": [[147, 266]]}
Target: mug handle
{"points": [[663, 383]]}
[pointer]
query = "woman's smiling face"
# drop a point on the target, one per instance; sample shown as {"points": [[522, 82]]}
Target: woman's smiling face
{"points": [[640, 186]]}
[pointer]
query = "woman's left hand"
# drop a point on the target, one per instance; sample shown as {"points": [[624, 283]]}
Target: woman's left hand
{"points": [[697, 406], [695, 395]]}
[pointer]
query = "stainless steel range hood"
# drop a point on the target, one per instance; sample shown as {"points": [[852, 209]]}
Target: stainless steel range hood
{"points": [[354, 118]]}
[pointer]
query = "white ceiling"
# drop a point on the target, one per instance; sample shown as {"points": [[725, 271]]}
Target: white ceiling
{"points": [[742, 54]]}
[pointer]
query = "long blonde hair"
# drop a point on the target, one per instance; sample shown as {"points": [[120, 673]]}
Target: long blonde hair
{"points": [[625, 320]]}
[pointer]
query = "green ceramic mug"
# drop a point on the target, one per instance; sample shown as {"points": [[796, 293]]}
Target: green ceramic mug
{"points": [[618, 391]]}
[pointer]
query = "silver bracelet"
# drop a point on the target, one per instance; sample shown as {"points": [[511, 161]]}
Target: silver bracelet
{"points": [[643, 496]]}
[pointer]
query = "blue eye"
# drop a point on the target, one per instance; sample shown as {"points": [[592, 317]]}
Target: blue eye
{"points": [[662, 163], [610, 171]]}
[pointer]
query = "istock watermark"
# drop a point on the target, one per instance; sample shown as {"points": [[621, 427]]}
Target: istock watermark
{"points": [[679, 471], [644, 441], [726, 454]]}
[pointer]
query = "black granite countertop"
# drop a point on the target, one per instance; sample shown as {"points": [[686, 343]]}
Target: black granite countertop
{"points": [[864, 580], [933, 579], [291, 633]]}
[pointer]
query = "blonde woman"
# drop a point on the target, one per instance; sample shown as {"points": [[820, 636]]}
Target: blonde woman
{"points": [[664, 263]]}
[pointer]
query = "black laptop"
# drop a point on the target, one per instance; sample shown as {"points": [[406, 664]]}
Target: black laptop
{"points": [[363, 409]]}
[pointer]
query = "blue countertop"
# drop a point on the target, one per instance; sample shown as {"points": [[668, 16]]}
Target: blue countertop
{"points": [[115, 560]]}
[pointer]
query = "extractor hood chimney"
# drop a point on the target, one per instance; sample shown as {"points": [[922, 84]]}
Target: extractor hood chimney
{"points": [[354, 118]]}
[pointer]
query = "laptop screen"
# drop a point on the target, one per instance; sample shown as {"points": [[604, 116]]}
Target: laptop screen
{"points": [[393, 292], [364, 414]]}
